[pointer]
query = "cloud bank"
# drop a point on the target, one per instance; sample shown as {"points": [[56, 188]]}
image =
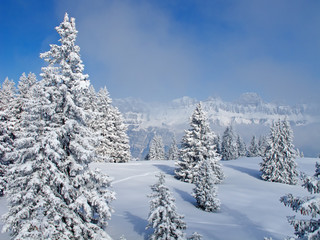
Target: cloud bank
{"points": [[160, 50]]}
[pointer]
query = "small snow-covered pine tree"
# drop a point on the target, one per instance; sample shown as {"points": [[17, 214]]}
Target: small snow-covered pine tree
{"points": [[52, 193], [278, 164], [173, 153], [197, 145], [241, 147], [195, 236], [205, 191], [310, 205], [253, 150], [156, 149], [229, 149], [108, 123], [262, 145], [163, 216]]}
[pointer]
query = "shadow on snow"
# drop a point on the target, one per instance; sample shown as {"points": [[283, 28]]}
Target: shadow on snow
{"points": [[186, 196], [139, 224], [251, 172], [166, 169], [251, 228]]}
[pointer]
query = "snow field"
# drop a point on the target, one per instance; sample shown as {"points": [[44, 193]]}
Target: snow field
{"points": [[250, 206]]}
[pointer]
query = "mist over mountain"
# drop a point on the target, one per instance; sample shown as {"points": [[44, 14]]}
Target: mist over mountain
{"points": [[249, 115]]}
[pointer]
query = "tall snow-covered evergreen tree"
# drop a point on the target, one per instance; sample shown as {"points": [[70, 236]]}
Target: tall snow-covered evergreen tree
{"points": [[310, 205], [108, 123], [25, 91], [7, 94], [241, 147], [7, 128], [253, 150], [6, 146], [156, 149], [52, 193], [120, 139], [205, 191], [173, 153], [197, 145], [163, 216], [7, 104], [217, 143], [278, 164], [229, 144]]}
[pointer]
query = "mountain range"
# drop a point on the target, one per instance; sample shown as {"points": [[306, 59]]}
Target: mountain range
{"points": [[249, 115]]}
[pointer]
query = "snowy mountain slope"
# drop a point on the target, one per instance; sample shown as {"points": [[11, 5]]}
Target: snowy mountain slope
{"points": [[250, 207], [248, 109], [250, 115]]}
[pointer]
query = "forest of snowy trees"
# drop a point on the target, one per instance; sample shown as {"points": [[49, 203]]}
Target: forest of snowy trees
{"points": [[52, 129]]}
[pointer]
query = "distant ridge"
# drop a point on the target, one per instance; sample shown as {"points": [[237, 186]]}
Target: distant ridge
{"points": [[249, 113]]}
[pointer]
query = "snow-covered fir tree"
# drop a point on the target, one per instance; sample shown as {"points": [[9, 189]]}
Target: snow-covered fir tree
{"points": [[197, 145], [278, 164], [120, 139], [317, 171], [7, 105], [156, 149], [299, 153], [163, 217], [262, 145], [253, 149], [12, 108], [173, 153], [217, 143], [109, 125], [7, 128], [6, 146], [205, 191], [195, 236], [309, 205], [241, 147], [52, 193], [25, 91], [7, 93], [229, 149]]}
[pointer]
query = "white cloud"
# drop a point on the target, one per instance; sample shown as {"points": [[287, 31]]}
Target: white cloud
{"points": [[137, 48]]}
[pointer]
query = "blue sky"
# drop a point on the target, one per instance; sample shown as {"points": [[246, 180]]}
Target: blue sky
{"points": [[161, 50]]}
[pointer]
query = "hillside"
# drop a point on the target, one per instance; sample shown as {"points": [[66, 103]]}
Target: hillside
{"points": [[250, 207]]}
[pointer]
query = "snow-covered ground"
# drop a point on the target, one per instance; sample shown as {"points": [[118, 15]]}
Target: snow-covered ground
{"points": [[250, 207]]}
